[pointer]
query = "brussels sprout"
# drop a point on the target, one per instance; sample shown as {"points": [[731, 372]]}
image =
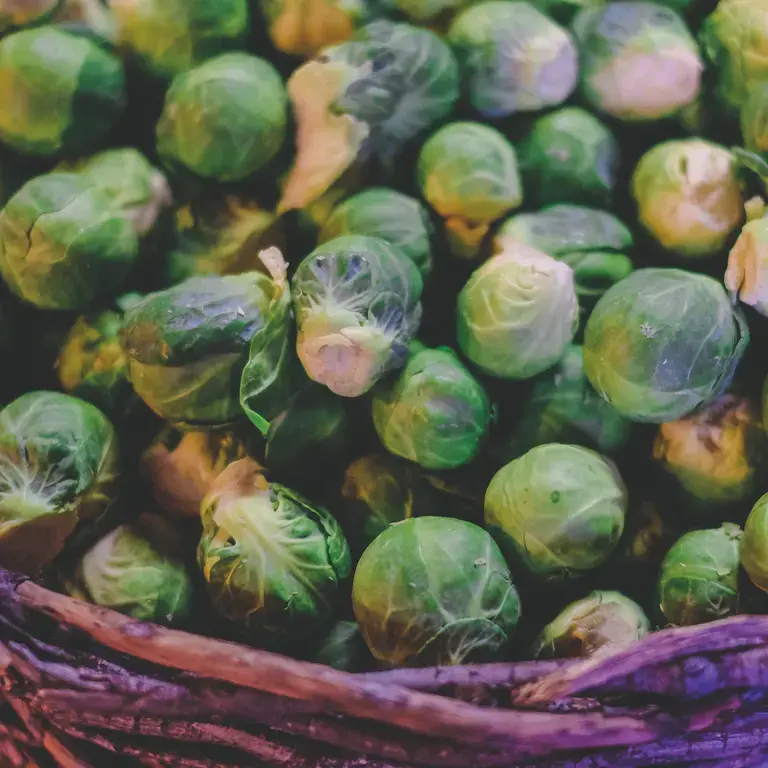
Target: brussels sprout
{"points": [[638, 60], [733, 39], [699, 578], [134, 571], [569, 156], [93, 366], [590, 242], [662, 342], [468, 173], [181, 467], [132, 184], [60, 93], [368, 96], [514, 59], [63, 244], [221, 236], [16, 14], [562, 407], [224, 119], [688, 196], [357, 308], [344, 649], [754, 544], [271, 561], [58, 466], [189, 345], [434, 591], [517, 313], [172, 36], [558, 510], [434, 413], [715, 454], [304, 27], [600, 620], [747, 272], [389, 215]]}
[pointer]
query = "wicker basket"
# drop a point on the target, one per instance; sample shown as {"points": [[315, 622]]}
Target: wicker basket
{"points": [[83, 686]]}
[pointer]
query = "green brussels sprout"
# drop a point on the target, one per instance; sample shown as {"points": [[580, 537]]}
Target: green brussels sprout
{"points": [[357, 302], [58, 466], [699, 578], [639, 62], [558, 510], [434, 412], [433, 590], [17, 14], [663, 342], [389, 215], [136, 570], [63, 244], [600, 620], [344, 649], [305, 27], [754, 544], [569, 156], [733, 40], [172, 36], [514, 58], [754, 118], [188, 346], [365, 98], [590, 242], [221, 236], [517, 313], [562, 407], [688, 196], [225, 119], [93, 366], [468, 173], [747, 272], [272, 562], [132, 184], [714, 455], [60, 93], [180, 467]]}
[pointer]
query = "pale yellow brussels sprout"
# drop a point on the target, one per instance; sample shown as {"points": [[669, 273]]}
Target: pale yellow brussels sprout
{"points": [[688, 196], [517, 313], [747, 273]]}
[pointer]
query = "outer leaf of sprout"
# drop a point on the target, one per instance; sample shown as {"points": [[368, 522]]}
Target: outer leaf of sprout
{"points": [[747, 272]]}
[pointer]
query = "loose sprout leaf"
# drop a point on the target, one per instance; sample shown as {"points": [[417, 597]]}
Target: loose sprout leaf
{"points": [[327, 143], [304, 27]]}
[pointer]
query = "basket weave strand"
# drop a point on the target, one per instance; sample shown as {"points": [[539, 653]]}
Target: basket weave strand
{"points": [[82, 685]]}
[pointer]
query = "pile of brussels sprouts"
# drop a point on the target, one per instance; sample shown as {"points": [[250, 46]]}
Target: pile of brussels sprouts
{"points": [[387, 332]]}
